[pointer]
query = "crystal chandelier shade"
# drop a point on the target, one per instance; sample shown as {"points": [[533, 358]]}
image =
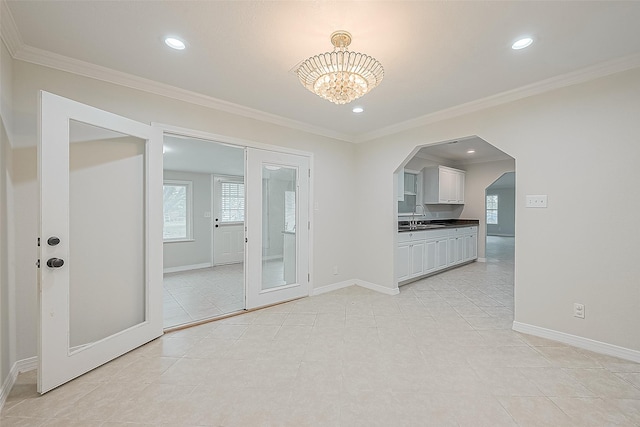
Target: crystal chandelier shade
{"points": [[340, 76]]}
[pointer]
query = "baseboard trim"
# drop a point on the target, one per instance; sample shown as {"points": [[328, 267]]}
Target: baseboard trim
{"points": [[357, 282], [333, 287], [481, 260], [580, 342], [23, 365], [377, 288], [186, 267]]}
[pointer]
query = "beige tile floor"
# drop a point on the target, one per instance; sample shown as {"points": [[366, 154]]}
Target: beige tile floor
{"points": [[200, 294], [441, 353]]}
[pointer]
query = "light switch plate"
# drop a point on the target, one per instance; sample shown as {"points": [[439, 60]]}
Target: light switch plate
{"points": [[536, 201]]}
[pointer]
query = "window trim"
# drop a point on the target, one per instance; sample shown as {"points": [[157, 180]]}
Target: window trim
{"points": [[189, 210], [496, 209], [232, 180]]}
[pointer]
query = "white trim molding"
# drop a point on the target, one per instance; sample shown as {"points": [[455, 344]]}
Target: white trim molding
{"points": [[23, 365], [577, 341], [23, 52], [378, 288], [363, 284], [603, 69], [332, 287], [186, 267]]}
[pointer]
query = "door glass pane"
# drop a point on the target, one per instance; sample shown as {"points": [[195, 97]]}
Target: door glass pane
{"points": [[107, 233], [279, 214]]}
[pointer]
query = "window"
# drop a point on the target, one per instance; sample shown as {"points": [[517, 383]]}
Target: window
{"points": [[232, 201], [492, 209], [177, 210]]}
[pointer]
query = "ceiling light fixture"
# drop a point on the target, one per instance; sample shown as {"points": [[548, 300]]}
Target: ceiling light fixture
{"points": [[174, 43], [340, 76], [522, 43], [357, 110]]}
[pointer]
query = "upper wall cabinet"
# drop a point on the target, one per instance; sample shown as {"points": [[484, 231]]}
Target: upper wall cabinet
{"points": [[443, 185]]}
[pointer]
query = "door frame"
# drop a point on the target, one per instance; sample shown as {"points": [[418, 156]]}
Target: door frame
{"points": [[244, 143]]}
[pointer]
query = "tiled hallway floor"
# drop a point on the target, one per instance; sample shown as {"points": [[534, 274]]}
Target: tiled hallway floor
{"points": [[199, 294], [441, 353]]}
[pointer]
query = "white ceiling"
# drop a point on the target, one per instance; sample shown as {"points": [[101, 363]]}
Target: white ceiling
{"points": [[436, 54], [457, 152], [194, 155]]}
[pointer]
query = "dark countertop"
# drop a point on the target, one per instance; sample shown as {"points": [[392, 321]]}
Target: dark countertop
{"points": [[435, 224]]}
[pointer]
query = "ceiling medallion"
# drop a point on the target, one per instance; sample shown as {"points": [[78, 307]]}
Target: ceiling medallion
{"points": [[340, 76]]}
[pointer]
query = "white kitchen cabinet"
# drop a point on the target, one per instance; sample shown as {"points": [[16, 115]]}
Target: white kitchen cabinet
{"points": [[456, 248], [403, 261], [424, 252], [443, 185], [410, 257], [416, 252], [470, 244]]}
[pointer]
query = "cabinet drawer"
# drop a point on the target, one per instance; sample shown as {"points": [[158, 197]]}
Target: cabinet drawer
{"points": [[436, 234], [410, 236]]}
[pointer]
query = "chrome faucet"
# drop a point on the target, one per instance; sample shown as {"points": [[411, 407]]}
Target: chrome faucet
{"points": [[413, 223]]}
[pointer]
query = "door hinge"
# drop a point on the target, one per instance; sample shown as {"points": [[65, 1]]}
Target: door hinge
{"points": [[38, 241], [309, 225], [246, 240], [38, 263], [308, 277], [309, 173]]}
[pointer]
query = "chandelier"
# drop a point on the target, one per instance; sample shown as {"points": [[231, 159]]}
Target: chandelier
{"points": [[340, 76]]}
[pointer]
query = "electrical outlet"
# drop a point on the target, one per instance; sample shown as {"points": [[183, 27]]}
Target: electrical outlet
{"points": [[578, 310], [537, 201]]}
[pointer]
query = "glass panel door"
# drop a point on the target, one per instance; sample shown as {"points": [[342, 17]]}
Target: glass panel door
{"points": [[277, 227], [100, 275]]}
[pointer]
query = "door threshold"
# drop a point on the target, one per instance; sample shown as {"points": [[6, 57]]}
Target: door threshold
{"points": [[224, 316]]}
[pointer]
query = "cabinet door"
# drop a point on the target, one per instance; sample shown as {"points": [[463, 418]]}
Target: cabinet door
{"points": [[402, 261], [473, 246], [459, 187], [456, 249], [446, 185], [442, 259], [417, 258], [430, 256]]}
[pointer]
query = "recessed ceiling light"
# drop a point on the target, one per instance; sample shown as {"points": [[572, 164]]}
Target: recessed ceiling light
{"points": [[522, 43], [471, 151], [357, 110], [174, 43]]}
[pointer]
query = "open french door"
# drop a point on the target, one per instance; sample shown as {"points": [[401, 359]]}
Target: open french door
{"points": [[277, 255], [100, 275]]}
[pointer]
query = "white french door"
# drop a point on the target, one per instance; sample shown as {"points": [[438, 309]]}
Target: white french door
{"points": [[277, 255], [100, 275]]}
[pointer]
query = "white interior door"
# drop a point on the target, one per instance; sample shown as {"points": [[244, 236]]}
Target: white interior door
{"points": [[228, 221], [277, 258], [100, 276]]}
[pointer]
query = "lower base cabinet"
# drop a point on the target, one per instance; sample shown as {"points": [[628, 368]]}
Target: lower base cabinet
{"points": [[425, 252]]}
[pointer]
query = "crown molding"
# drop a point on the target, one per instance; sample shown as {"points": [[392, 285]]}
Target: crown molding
{"points": [[586, 74], [23, 52], [8, 30], [20, 51]]}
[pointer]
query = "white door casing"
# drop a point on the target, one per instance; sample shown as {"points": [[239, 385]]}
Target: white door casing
{"points": [[110, 238], [277, 248]]}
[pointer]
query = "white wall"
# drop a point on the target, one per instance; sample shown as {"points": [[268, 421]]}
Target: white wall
{"points": [[198, 251], [332, 173], [570, 144], [5, 212], [478, 177]]}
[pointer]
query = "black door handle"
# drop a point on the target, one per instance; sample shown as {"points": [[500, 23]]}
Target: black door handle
{"points": [[55, 263], [52, 241]]}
